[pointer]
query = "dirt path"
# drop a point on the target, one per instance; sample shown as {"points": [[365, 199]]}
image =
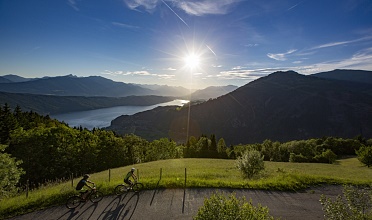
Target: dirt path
{"points": [[183, 204]]}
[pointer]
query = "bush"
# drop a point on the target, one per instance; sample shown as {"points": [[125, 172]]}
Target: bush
{"points": [[298, 158], [365, 155], [356, 204], [250, 163], [220, 207], [10, 173], [326, 157]]}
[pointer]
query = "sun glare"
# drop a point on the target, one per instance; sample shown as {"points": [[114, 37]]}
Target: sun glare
{"points": [[192, 61]]}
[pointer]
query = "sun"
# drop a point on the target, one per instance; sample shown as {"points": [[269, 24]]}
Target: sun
{"points": [[192, 61]]}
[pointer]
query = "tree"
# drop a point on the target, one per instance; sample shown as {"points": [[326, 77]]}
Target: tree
{"points": [[355, 204], [10, 173], [365, 155], [222, 149], [329, 155], [213, 151], [7, 123], [250, 163], [162, 149], [219, 206]]}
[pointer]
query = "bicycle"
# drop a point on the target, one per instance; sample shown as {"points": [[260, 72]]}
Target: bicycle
{"points": [[94, 196], [124, 188]]}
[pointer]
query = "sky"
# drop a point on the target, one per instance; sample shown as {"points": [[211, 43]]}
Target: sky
{"points": [[189, 43]]}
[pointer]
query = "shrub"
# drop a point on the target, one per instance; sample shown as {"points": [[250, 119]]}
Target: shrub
{"points": [[326, 157], [365, 155], [356, 204], [220, 207], [250, 163], [298, 158], [10, 173]]}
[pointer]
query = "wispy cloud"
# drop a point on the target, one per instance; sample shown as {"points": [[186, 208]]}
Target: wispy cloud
{"points": [[333, 44], [144, 73], [124, 73], [191, 7], [204, 7], [170, 69], [166, 76], [248, 74], [149, 5], [125, 25], [73, 4], [294, 6], [360, 60], [238, 68], [280, 56]]}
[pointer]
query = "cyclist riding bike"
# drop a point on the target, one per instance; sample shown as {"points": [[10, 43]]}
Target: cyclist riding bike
{"points": [[129, 175], [84, 183]]}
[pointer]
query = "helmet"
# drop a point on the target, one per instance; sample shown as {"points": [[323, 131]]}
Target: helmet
{"points": [[133, 169], [86, 176]]}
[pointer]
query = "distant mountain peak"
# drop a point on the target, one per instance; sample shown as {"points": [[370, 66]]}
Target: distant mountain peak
{"points": [[289, 72]]}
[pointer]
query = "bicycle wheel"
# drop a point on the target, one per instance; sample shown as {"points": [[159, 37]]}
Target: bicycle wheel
{"points": [[120, 189], [96, 196], [137, 187], [73, 202]]}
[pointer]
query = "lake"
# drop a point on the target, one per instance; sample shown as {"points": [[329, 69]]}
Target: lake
{"points": [[100, 118]]}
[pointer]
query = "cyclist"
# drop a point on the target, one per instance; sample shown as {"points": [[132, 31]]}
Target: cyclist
{"points": [[130, 174], [82, 183]]}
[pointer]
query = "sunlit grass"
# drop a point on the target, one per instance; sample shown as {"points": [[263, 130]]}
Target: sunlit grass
{"points": [[199, 173]]}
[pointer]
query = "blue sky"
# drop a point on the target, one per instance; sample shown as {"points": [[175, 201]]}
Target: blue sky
{"points": [[147, 41]]}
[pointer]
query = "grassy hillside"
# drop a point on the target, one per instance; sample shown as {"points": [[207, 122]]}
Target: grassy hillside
{"points": [[199, 173]]}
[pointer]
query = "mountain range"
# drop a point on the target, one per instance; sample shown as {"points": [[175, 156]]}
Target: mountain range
{"points": [[62, 94], [282, 106]]}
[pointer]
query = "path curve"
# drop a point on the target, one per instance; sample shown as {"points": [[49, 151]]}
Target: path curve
{"points": [[172, 204]]}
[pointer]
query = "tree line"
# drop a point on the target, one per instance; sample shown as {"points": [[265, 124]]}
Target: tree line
{"points": [[36, 149]]}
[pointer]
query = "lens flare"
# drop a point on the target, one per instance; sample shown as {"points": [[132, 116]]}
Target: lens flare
{"points": [[192, 61]]}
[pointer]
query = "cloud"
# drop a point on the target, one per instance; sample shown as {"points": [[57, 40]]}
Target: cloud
{"points": [[123, 73], [294, 6], [204, 7], [170, 69], [248, 74], [280, 56], [360, 60], [191, 7], [238, 68], [149, 5], [124, 25], [165, 76], [137, 73], [72, 3], [251, 45], [333, 44], [140, 73]]}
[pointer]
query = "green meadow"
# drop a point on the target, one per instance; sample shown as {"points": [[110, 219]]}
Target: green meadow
{"points": [[198, 173]]}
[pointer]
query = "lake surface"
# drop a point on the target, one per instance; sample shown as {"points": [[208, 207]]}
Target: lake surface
{"points": [[100, 118]]}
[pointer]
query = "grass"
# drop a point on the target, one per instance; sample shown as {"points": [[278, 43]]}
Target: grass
{"points": [[199, 173]]}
